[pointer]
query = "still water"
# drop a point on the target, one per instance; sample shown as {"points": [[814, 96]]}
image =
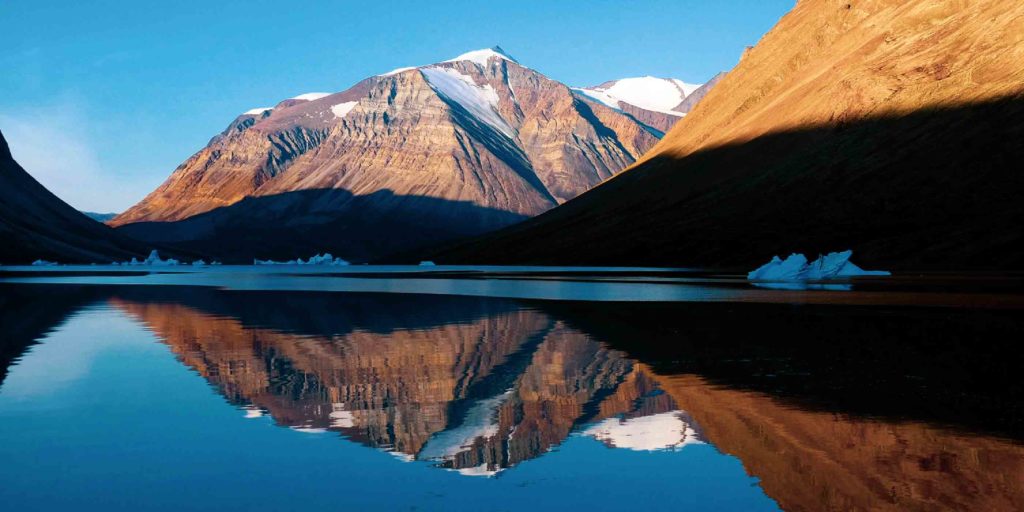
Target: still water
{"points": [[130, 396]]}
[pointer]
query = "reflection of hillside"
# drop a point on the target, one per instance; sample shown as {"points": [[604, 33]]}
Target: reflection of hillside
{"points": [[478, 395], [823, 461]]}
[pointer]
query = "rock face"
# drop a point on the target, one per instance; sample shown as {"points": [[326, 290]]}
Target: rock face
{"points": [[401, 159], [895, 128], [36, 224], [656, 102]]}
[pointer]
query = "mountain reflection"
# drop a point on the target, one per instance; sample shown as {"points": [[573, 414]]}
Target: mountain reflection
{"points": [[901, 409], [477, 395]]}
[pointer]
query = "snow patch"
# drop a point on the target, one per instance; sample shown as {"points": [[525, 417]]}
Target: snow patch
{"points": [[479, 101], [664, 431], [796, 268], [310, 96], [343, 108], [482, 57], [256, 111], [647, 92], [398, 70]]}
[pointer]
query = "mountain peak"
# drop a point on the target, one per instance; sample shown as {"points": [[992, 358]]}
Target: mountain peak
{"points": [[481, 57]]}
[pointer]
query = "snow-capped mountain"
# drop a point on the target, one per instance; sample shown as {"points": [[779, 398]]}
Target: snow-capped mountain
{"points": [[412, 156], [657, 102]]}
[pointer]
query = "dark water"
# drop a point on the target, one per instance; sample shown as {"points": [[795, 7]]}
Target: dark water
{"points": [[134, 397]]}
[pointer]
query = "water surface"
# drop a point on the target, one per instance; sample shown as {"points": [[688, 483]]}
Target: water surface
{"points": [[135, 396]]}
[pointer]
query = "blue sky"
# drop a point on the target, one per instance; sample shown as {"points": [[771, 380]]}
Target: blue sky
{"points": [[101, 100]]}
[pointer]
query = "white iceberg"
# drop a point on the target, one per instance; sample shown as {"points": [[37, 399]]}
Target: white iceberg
{"points": [[796, 268], [319, 259], [43, 263], [152, 260]]}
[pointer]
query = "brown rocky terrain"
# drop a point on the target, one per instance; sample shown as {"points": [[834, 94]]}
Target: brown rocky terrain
{"points": [[401, 159], [35, 224], [892, 127]]}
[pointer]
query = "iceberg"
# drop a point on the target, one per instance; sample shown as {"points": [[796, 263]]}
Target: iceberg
{"points": [[427, 264], [199, 263], [152, 260], [43, 263], [319, 259], [796, 268]]}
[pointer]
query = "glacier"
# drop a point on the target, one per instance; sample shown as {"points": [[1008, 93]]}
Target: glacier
{"points": [[319, 259], [796, 268]]}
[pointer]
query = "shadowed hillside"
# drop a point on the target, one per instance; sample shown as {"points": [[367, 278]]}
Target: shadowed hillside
{"points": [[890, 127], [305, 222], [937, 188], [35, 224]]}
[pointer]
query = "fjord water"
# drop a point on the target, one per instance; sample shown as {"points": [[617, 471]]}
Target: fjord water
{"points": [[135, 396]]}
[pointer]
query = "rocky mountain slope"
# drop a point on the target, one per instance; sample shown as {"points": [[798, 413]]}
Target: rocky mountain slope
{"points": [[35, 224], [895, 128], [412, 156], [656, 102]]}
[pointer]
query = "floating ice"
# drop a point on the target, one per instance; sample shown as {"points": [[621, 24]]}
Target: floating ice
{"points": [[199, 263], [152, 260], [796, 268], [427, 264], [319, 259], [43, 263]]}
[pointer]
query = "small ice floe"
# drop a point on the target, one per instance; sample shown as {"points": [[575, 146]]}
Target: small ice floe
{"points": [[44, 263], [319, 259], [152, 260], [199, 263], [794, 271], [426, 263]]}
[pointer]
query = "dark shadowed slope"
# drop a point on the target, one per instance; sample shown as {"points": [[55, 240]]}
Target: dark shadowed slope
{"points": [[34, 224], [306, 222], [937, 189], [890, 127]]}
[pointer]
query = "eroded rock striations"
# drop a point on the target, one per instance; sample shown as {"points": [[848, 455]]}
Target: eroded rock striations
{"points": [[401, 159]]}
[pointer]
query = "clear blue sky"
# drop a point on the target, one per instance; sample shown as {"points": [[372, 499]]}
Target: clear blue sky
{"points": [[102, 99]]}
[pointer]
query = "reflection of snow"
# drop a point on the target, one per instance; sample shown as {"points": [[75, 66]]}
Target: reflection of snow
{"points": [[664, 431], [340, 418], [309, 430], [481, 421], [480, 470], [252, 411]]}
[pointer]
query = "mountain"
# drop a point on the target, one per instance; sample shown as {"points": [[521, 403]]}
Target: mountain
{"points": [[656, 102], [36, 224], [410, 157], [99, 217], [895, 128]]}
